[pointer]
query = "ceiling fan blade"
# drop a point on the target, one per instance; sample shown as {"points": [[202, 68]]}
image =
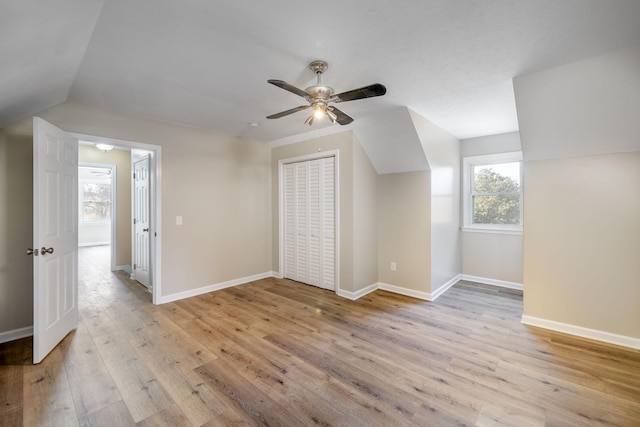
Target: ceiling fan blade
{"points": [[291, 88], [341, 118], [286, 113], [364, 92]]}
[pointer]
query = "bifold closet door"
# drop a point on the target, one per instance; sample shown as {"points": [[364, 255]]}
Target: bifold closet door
{"points": [[309, 222]]}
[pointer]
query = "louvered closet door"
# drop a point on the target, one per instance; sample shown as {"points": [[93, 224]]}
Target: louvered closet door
{"points": [[309, 222]]}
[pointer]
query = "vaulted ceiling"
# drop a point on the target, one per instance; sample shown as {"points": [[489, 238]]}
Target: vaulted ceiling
{"points": [[206, 63]]}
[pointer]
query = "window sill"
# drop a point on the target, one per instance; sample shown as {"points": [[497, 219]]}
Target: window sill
{"points": [[491, 230]]}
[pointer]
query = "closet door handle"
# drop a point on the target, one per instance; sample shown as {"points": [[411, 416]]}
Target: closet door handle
{"points": [[145, 229]]}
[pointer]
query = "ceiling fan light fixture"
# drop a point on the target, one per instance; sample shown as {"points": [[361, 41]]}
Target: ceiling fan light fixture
{"points": [[309, 120], [104, 147], [319, 110], [331, 116]]}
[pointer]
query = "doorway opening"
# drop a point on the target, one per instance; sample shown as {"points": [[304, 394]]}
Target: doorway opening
{"points": [[97, 201], [125, 251]]}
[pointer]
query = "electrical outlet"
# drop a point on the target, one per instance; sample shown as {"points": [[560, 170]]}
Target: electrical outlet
{"points": [[393, 266], [179, 220]]}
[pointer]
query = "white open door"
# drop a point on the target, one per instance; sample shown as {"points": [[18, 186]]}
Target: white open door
{"points": [[141, 221], [55, 235]]}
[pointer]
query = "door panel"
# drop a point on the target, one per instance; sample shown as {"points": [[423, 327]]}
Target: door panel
{"points": [[55, 228], [309, 222], [141, 215]]}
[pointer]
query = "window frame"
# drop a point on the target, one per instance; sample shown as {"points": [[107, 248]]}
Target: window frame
{"points": [[468, 163], [110, 181]]}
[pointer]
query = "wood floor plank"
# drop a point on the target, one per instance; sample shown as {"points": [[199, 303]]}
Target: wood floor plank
{"points": [[46, 389], [278, 352], [83, 362], [115, 414], [139, 388]]}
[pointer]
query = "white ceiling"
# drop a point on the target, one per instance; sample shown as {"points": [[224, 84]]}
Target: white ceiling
{"points": [[206, 63]]}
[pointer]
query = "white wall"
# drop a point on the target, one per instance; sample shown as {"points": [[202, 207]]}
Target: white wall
{"points": [[443, 155], [94, 233], [581, 143], [492, 257]]}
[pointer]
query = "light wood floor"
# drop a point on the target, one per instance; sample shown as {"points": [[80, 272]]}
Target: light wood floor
{"points": [[276, 352]]}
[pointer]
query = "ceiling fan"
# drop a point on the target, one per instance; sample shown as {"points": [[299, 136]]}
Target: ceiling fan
{"points": [[320, 96]]}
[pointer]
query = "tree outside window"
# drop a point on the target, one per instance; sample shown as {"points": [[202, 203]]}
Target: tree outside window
{"points": [[96, 204], [496, 195], [493, 192]]}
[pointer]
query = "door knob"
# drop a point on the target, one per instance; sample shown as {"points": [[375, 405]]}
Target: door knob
{"points": [[145, 229], [45, 251], [33, 252]]}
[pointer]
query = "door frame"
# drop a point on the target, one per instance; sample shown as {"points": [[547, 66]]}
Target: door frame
{"points": [[114, 199], [155, 166], [281, 237]]}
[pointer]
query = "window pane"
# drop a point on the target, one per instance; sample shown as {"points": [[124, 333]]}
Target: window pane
{"points": [[97, 202], [497, 178], [500, 209]]}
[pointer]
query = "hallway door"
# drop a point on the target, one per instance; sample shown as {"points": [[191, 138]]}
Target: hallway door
{"points": [[55, 234], [141, 221]]}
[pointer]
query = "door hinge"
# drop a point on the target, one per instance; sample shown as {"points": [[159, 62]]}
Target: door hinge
{"points": [[134, 175], [134, 266], [134, 221]]}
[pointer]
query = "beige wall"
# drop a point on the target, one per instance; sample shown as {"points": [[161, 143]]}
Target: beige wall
{"points": [[581, 143], [122, 160], [220, 184], [492, 256], [343, 142], [365, 220], [404, 230], [582, 242], [16, 231], [495, 257]]}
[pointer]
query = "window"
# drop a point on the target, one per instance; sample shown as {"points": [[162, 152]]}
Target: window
{"points": [[95, 194], [493, 193]]}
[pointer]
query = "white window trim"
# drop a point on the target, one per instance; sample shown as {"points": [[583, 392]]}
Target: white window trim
{"points": [[467, 166]]}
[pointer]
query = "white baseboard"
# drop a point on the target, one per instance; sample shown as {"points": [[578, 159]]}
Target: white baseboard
{"points": [[16, 334], [357, 294], [492, 282], [442, 289], [212, 288], [87, 244], [276, 274], [592, 334], [404, 291]]}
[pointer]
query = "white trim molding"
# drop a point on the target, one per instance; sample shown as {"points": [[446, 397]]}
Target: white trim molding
{"points": [[215, 287], [16, 334], [442, 289], [357, 294], [404, 291], [492, 282], [400, 290], [579, 331]]}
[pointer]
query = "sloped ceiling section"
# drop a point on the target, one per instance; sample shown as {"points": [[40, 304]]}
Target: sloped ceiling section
{"points": [[42, 44], [206, 63], [391, 142]]}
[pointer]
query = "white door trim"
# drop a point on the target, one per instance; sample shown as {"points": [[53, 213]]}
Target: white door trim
{"points": [[156, 202], [281, 164], [114, 185]]}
